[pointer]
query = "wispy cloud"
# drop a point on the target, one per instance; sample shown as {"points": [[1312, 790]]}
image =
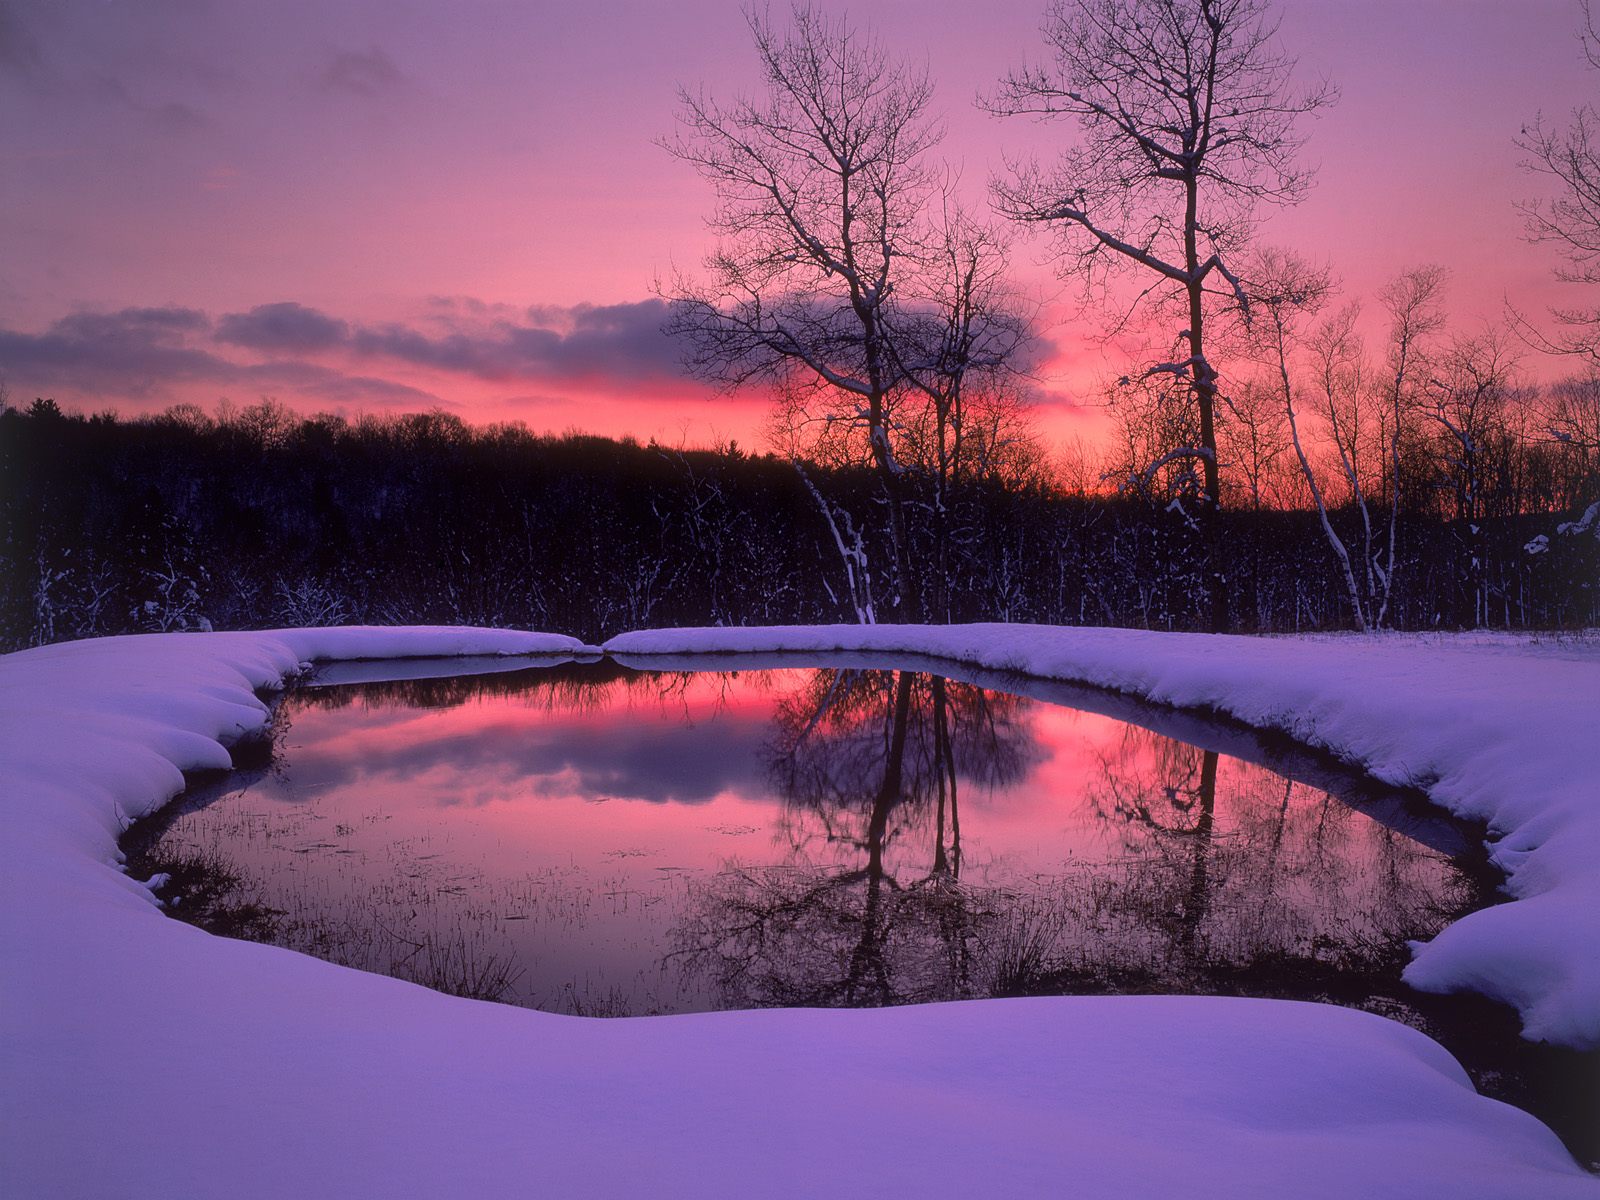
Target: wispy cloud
{"points": [[620, 341], [361, 73], [464, 336], [154, 353], [19, 49]]}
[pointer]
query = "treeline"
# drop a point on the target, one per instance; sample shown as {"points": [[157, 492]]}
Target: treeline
{"points": [[849, 278], [257, 517]]}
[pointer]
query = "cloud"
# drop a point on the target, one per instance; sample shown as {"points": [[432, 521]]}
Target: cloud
{"points": [[650, 757], [170, 116], [127, 350], [152, 324], [146, 354], [361, 73], [465, 336], [328, 385], [282, 327], [620, 341], [19, 50], [154, 355]]}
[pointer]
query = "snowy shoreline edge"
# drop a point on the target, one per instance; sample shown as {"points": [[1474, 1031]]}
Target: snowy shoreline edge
{"points": [[191, 692], [1492, 728]]}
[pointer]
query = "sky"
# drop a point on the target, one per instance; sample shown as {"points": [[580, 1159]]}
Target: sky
{"points": [[359, 206]]}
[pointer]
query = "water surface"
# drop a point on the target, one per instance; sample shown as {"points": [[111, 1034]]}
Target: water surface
{"points": [[592, 839]]}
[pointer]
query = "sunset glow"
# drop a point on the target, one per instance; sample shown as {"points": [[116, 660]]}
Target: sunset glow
{"points": [[355, 210], [732, 599]]}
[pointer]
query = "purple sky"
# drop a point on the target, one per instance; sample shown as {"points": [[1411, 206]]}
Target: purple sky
{"points": [[367, 206]]}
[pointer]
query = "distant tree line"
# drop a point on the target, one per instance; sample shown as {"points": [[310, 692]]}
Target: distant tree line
{"points": [[1269, 471], [256, 517], [847, 276]]}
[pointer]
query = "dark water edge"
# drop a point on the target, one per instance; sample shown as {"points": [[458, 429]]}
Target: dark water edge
{"points": [[1559, 1086]]}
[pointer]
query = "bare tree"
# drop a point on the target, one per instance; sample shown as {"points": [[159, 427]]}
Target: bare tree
{"points": [[1570, 220], [1361, 417], [1571, 415], [1412, 301], [1253, 439], [1570, 420], [1285, 289], [1187, 118], [1341, 380], [957, 345], [822, 184], [1155, 455], [850, 542], [1468, 399]]}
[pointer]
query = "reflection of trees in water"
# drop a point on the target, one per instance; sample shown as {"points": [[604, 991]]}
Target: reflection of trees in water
{"points": [[1228, 879], [1257, 873], [870, 765], [576, 688], [869, 758], [1172, 811], [1218, 876]]}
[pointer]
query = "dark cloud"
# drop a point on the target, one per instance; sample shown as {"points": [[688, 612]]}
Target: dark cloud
{"points": [[141, 353], [19, 50], [123, 351], [488, 341], [76, 59], [160, 324], [447, 307], [657, 760], [176, 116], [282, 327], [631, 332], [624, 341], [327, 385], [361, 73], [170, 116]]}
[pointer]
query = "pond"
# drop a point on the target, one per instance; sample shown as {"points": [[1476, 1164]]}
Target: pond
{"points": [[592, 839], [611, 840]]}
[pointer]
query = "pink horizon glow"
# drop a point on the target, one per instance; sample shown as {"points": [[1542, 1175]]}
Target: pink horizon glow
{"points": [[486, 182]]}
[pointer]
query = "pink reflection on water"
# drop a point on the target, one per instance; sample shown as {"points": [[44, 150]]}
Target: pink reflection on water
{"points": [[590, 840]]}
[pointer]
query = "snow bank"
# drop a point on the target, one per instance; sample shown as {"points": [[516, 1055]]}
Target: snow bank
{"points": [[1502, 729], [349, 642], [143, 1056]]}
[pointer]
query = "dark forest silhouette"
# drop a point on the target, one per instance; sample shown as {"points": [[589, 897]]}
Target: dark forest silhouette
{"points": [[262, 518]]}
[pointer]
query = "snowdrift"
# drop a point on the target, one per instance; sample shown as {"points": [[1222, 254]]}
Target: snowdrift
{"points": [[141, 1055], [1499, 729]]}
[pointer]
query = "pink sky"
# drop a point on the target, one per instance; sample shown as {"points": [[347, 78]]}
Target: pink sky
{"points": [[369, 207]]}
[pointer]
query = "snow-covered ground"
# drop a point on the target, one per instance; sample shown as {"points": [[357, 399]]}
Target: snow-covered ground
{"points": [[1500, 729], [143, 1056]]}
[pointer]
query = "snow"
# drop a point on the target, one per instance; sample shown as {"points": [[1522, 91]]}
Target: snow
{"points": [[141, 1055], [1499, 729]]}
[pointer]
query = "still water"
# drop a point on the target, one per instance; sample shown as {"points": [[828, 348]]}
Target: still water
{"points": [[593, 839]]}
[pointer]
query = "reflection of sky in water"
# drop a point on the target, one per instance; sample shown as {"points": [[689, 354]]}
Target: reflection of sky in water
{"points": [[638, 842], [476, 754]]}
